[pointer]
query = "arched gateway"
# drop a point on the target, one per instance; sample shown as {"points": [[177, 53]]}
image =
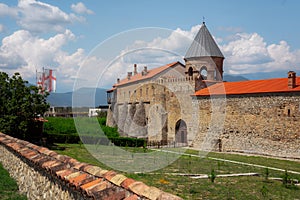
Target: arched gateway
{"points": [[180, 132]]}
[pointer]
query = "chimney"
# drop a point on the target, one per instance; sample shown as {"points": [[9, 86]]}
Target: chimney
{"points": [[129, 74], [291, 79], [145, 71], [118, 80], [135, 69]]}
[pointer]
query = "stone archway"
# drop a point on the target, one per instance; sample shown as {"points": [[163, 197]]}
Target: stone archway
{"points": [[180, 132]]}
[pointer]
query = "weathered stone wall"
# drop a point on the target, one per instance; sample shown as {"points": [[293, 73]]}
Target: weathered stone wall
{"points": [[44, 174], [258, 123], [34, 184], [262, 124]]}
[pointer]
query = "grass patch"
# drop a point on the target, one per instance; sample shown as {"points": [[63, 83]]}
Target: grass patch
{"points": [[221, 188], [8, 186], [79, 152]]}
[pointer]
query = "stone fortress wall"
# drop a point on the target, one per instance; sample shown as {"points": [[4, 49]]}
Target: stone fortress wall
{"points": [[44, 174], [262, 124], [165, 102]]}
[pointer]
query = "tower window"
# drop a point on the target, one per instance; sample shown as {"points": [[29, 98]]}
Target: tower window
{"points": [[190, 71], [203, 72]]}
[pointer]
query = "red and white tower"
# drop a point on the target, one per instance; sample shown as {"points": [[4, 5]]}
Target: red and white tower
{"points": [[46, 80]]}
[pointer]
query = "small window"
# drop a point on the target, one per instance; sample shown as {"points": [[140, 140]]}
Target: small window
{"points": [[203, 72], [289, 112], [190, 71]]}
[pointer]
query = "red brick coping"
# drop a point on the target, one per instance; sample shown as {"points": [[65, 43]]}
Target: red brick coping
{"points": [[90, 181]]}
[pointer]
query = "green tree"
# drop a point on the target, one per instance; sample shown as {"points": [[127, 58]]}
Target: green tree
{"points": [[20, 106]]}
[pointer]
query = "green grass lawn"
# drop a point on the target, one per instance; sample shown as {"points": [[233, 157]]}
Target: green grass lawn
{"points": [[8, 186], [223, 188]]}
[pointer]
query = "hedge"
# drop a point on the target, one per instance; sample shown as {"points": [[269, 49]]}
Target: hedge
{"points": [[93, 139]]}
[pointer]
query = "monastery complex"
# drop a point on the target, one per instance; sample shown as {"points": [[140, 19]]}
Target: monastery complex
{"points": [[190, 105]]}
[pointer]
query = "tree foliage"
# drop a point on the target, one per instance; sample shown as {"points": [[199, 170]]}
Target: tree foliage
{"points": [[20, 106]]}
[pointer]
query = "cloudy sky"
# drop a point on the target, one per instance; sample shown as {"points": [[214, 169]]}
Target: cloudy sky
{"points": [[97, 41]]}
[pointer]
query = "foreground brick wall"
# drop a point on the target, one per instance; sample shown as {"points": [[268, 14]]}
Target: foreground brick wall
{"points": [[44, 174]]}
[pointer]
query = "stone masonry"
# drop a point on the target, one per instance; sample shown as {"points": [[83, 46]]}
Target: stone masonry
{"points": [[261, 124], [44, 174]]}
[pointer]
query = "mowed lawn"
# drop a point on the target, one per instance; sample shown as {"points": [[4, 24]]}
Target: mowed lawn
{"points": [[171, 179], [8, 186]]}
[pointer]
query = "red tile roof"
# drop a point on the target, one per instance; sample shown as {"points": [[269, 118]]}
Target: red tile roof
{"points": [[151, 73], [90, 181], [276, 85]]}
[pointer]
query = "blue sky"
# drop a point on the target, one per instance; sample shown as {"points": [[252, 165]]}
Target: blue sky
{"points": [[255, 36]]}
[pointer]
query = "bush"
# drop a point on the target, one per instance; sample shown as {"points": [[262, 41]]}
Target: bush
{"points": [[62, 138], [102, 121], [128, 142], [94, 139]]}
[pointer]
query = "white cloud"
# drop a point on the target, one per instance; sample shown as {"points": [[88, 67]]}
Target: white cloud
{"points": [[5, 10], [24, 52], [37, 16], [247, 48], [249, 53], [80, 8], [155, 53], [244, 53]]}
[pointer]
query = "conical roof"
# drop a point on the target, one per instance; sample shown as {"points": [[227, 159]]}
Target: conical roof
{"points": [[203, 45]]}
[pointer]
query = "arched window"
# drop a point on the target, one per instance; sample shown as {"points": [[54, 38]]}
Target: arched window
{"points": [[190, 71], [203, 72]]}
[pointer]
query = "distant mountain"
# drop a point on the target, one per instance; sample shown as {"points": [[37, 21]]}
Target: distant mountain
{"points": [[266, 75], [93, 97], [83, 97], [234, 78]]}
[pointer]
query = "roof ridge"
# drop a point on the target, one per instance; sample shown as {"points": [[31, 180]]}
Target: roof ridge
{"points": [[203, 45], [151, 73]]}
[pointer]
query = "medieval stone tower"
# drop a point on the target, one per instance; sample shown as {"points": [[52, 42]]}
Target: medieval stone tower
{"points": [[204, 60]]}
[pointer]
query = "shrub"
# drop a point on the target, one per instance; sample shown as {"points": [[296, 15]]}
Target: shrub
{"points": [[212, 176], [62, 138], [128, 142], [102, 121], [267, 174]]}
